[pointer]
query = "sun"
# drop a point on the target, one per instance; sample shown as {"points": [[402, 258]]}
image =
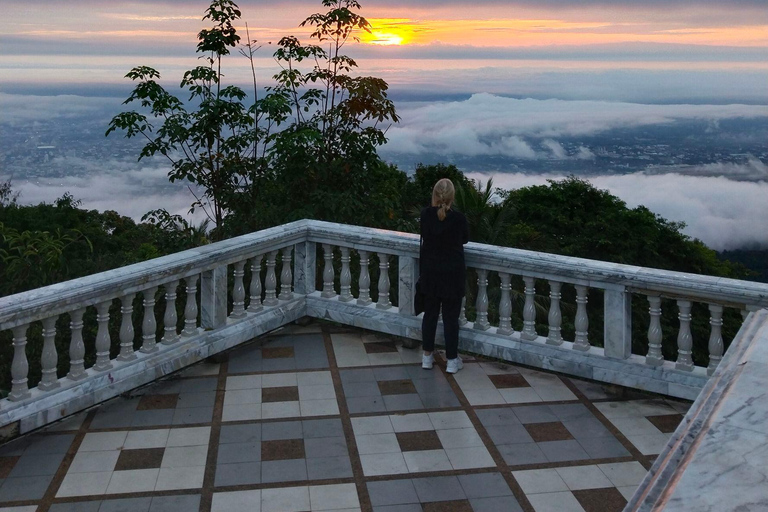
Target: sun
{"points": [[384, 38]]}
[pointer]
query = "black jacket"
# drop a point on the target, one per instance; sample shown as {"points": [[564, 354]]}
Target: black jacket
{"points": [[441, 260]]}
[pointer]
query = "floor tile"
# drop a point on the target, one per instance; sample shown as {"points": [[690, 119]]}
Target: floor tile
{"points": [[238, 474], [180, 478], [24, 488], [505, 503], [81, 484], [392, 492], [377, 443], [136, 480], [291, 499], [438, 488], [470, 458], [537, 481], [323, 468], [555, 502], [237, 501], [583, 477], [383, 464], [623, 474], [484, 485], [283, 471], [179, 503], [126, 505], [333, 497], [427, 460], [102, 441]]}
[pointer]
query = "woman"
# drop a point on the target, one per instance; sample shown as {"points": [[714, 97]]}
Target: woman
{"points": [[441, 273]]}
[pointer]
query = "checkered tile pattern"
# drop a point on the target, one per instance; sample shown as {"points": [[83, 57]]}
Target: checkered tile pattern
{"points": [[420, 442], [308, 418], [590, 488], [647, 424]]}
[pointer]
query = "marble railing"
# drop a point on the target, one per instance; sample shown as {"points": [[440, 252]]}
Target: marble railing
{"points": [[717, 459], [224, 307]]}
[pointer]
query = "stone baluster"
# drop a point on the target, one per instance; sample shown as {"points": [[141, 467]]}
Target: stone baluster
{"points": [[463, 313], [270, 281], [49, 358], [170, 319], [126, 329], [328, 273], [555, 317], [19, 365], [684, 338], [715, 337], [76, 346], [364, 297], [383, 302], [346, 277], [286, 276], [505, 305], [744, 314], [254, 290], [103, 340], [481, 303], [238, 291], [149, 323], [529, 310], [654, 357], [190, 309], [581, 323]]}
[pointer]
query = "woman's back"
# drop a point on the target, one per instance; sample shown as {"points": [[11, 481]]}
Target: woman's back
{"points": [[442, 254]]}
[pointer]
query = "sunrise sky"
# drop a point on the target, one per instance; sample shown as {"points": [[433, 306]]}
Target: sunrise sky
{"points": [[47, 44]]}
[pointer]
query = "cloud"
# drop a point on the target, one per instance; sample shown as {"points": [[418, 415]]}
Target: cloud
{"points": [[492, 125], [141, 187], [723, 213], [21, 109]]}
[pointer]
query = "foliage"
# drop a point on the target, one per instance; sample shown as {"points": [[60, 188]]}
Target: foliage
{"points": [[305, 149]]}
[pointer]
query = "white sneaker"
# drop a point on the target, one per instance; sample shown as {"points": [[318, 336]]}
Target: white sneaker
{"points": [[427, 361], [454, 365]]}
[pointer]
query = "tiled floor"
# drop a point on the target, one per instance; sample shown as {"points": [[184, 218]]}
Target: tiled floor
{"points": [[323, 418]]}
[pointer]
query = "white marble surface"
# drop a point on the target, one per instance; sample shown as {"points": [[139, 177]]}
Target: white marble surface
{"points": [[717, 460]]}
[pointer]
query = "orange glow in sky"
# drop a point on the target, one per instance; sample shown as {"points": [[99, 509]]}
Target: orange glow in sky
{"points": [[539, 32]]}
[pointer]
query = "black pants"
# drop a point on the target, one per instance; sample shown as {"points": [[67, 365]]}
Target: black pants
{"points": [[451, 310]]}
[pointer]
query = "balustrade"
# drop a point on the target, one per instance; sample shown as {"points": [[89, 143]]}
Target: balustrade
{"points": [[561, 273]]}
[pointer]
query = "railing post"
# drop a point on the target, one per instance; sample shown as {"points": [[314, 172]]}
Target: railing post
{"points": [[238, 290], [345, 278], [618, 323], [76, 346], [103, 339], [505, 305], [481, 304], [715, 337], [126, 329], [170, 318], [213, 298], [383, 302], [286, 276], [149, 323], [190, 308], [684, 338], [254, 289], [328, 273], [364, 297], [49, 358], [581, 323], [305, 261], [655, 356], [406, 284], [19, 365], [529, 310], [555, 317], [270, 280]]}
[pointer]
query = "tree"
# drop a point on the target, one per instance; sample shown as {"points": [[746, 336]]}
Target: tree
{"points": [[306, 148]]}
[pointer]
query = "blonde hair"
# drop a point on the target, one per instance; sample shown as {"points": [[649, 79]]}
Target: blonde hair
{"points": [[442, 196]]}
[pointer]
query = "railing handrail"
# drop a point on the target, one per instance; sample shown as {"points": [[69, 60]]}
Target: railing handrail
{"points": [[59, 298], [569, 269], [62, 297]]}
